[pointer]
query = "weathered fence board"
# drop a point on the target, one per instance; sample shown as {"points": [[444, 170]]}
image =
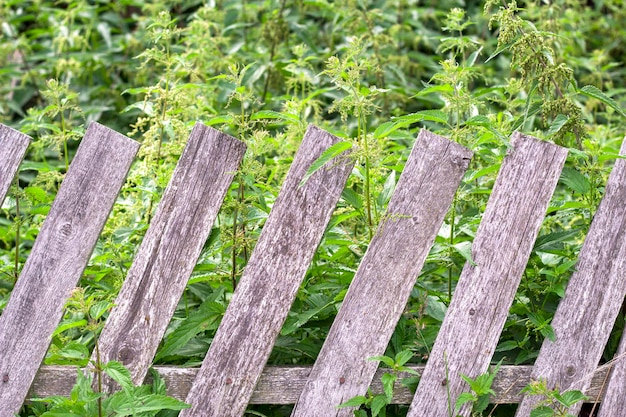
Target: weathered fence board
{"points": [[481, 301], [615, 386], [283, 384], [13, 145], [58, 258], [169, 250], [269, 284], [595, 292], [387, 274]]}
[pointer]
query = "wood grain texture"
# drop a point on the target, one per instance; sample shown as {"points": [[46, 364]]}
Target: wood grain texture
{"points": [[595, 292], [59, 257], [269, 283], [13, 145], [613, 399], [283, 384], [478, 310], [169, 250], [381, 287]]}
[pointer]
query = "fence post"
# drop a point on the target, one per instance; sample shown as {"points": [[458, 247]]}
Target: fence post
{"points": [[583, 320], [169, 250], [383, 283], [13, 146], [58, 258], [269, 283], [482, 298]]}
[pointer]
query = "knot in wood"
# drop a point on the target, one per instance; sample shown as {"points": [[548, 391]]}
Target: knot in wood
{"points": [[570, 371], [472, 311], [126, 355], [66, 230]]}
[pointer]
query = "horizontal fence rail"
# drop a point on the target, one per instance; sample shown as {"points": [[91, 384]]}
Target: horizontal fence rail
{"points": [[284, 384]]}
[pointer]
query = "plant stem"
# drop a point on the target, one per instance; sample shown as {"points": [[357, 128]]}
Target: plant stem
{"points": [[18, 230], [450, 243], [98, 376]]}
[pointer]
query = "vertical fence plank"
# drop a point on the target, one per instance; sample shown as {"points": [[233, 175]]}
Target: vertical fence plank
{"points": [[595, 292], [385, 278], [615, 391], [470, 331], [13, 146], [269, 284], [58, 258], [169, 250]]}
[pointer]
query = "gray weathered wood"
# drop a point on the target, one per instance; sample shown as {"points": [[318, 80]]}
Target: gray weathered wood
{"points": [[58, 258], [613, 399], [269, 284], [13, 146], [470, 331], [169, 250], [595, 292], [283, 384], [387, 274]]}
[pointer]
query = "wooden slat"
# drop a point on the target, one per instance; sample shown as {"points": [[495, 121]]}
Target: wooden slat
{"points": [[478, 310], [613, 399], [387, 274], [169, 250], [13, 146], [595, 292], [283, 384], [58, 258], [269, 284]]}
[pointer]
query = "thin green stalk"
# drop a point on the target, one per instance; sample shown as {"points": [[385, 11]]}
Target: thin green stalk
{"points": [[233, 272], [450, 243], [18, 231], [161, 138], [98, 368], [65, 152], [362, 134]]}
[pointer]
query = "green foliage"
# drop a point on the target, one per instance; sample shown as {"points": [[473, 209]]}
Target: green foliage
{"points": [[140, 401], [377, 403], [480, 391], [554, 402]]}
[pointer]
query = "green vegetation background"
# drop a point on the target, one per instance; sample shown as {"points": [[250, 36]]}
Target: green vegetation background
{"points": [[372, 72]]}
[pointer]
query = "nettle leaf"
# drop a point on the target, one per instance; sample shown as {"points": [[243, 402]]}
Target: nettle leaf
{"points": [[119, 374], [403, 357], [384, 359], [557, 124], [569, 398], [227, 118], [354, 402], [388, 381], [387, 128], [575, 180], [270, 114], [595, 92], [330, 153], [465, 397], [206, 317], [378, 404], [542, 411]]}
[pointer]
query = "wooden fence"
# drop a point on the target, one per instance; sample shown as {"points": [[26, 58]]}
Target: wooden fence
{"points": [[233, 373]]}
